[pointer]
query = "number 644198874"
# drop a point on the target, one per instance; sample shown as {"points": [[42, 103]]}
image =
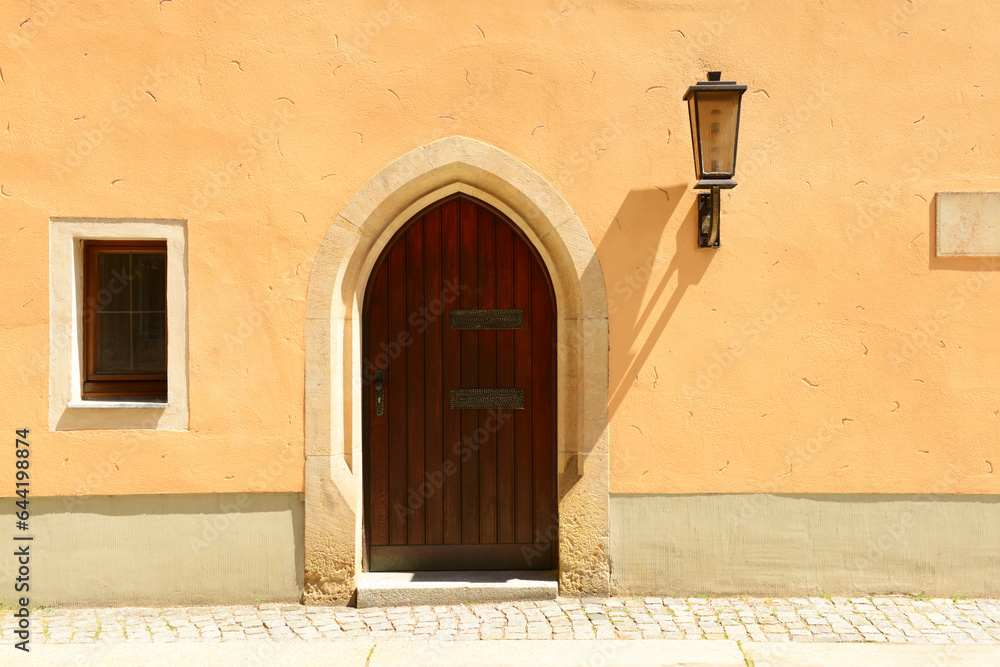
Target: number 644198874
{"points": [[23, 453]]}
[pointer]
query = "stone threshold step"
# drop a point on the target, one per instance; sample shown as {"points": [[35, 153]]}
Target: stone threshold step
{"points": [[411, 589]]}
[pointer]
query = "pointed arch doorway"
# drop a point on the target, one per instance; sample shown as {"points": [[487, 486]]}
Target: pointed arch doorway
{"points": [[334, 545], [459, 396]]}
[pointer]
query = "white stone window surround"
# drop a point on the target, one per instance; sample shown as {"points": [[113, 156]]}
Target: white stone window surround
{"points": [[67, 410]]}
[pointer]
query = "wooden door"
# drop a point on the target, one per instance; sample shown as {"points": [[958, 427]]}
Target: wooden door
{"points": [[459, 386]]}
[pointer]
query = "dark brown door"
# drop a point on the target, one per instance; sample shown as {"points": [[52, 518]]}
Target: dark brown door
{"points": [[459, 386]]}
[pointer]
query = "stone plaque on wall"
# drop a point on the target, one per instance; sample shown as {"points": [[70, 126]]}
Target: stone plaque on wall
{"points": [[968, 224]]}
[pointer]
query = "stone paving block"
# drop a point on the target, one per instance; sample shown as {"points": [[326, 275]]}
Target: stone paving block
{"points": [[881, 620]]}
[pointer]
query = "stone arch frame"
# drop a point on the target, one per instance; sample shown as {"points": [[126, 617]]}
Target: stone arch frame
{"points": [[334, 553]]}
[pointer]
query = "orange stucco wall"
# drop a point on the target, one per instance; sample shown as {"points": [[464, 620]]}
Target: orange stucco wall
{"points": [[823, 348]]}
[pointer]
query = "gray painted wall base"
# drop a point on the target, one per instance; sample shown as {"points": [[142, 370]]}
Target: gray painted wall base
{"points": [[788, 545], [159, 550], [410, 589]]}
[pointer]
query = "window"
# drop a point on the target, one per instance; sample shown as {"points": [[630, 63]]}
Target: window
{"points": [[151, 391], [125, 319]]}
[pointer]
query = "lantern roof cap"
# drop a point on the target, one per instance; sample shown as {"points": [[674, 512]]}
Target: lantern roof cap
{"points": [[714, 84]]}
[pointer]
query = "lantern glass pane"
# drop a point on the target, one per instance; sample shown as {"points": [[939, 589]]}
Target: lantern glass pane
{"points": [[694, 134], [717, 121]]}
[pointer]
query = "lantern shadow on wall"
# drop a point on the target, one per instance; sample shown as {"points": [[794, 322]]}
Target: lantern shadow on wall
{"points": [[636, 285]]}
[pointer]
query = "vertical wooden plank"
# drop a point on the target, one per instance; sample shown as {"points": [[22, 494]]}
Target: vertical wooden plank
{"points": [[451, 357], [414, 343], [522, 378], [470, 375], [395, 392], [433, 318], [378, 426], [542, 419], [442, 476], [505, 378], [487, 379]]}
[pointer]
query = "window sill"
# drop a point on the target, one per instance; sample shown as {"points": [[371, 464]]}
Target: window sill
{"points": [[160, 405]]}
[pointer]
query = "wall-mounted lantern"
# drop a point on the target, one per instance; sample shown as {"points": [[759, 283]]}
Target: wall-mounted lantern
{"points": [[714, 107]]}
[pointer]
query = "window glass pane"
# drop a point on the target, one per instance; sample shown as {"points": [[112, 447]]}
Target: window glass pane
{"points": [[717, 130], [113, 352], [113, 281], [149, 331], [130, 326], [149, 282], [694, 135]]}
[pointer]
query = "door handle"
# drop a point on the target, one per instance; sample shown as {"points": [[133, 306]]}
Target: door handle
{"points": [[379, 392]]}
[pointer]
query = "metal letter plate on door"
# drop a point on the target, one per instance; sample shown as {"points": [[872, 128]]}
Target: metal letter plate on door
{"points": [[483, 399], [488, 318]]}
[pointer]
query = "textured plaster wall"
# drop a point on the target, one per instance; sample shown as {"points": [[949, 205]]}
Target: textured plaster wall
{"points": [[823, 348]]}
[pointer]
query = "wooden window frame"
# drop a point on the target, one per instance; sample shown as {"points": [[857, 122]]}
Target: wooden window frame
{"points": [[104, 385]]}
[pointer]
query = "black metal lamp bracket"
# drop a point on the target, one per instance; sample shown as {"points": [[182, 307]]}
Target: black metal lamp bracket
{"points": [[708, 218]]}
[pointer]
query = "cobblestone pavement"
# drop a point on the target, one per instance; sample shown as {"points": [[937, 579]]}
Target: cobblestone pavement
{"points": [[891, 619]]}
